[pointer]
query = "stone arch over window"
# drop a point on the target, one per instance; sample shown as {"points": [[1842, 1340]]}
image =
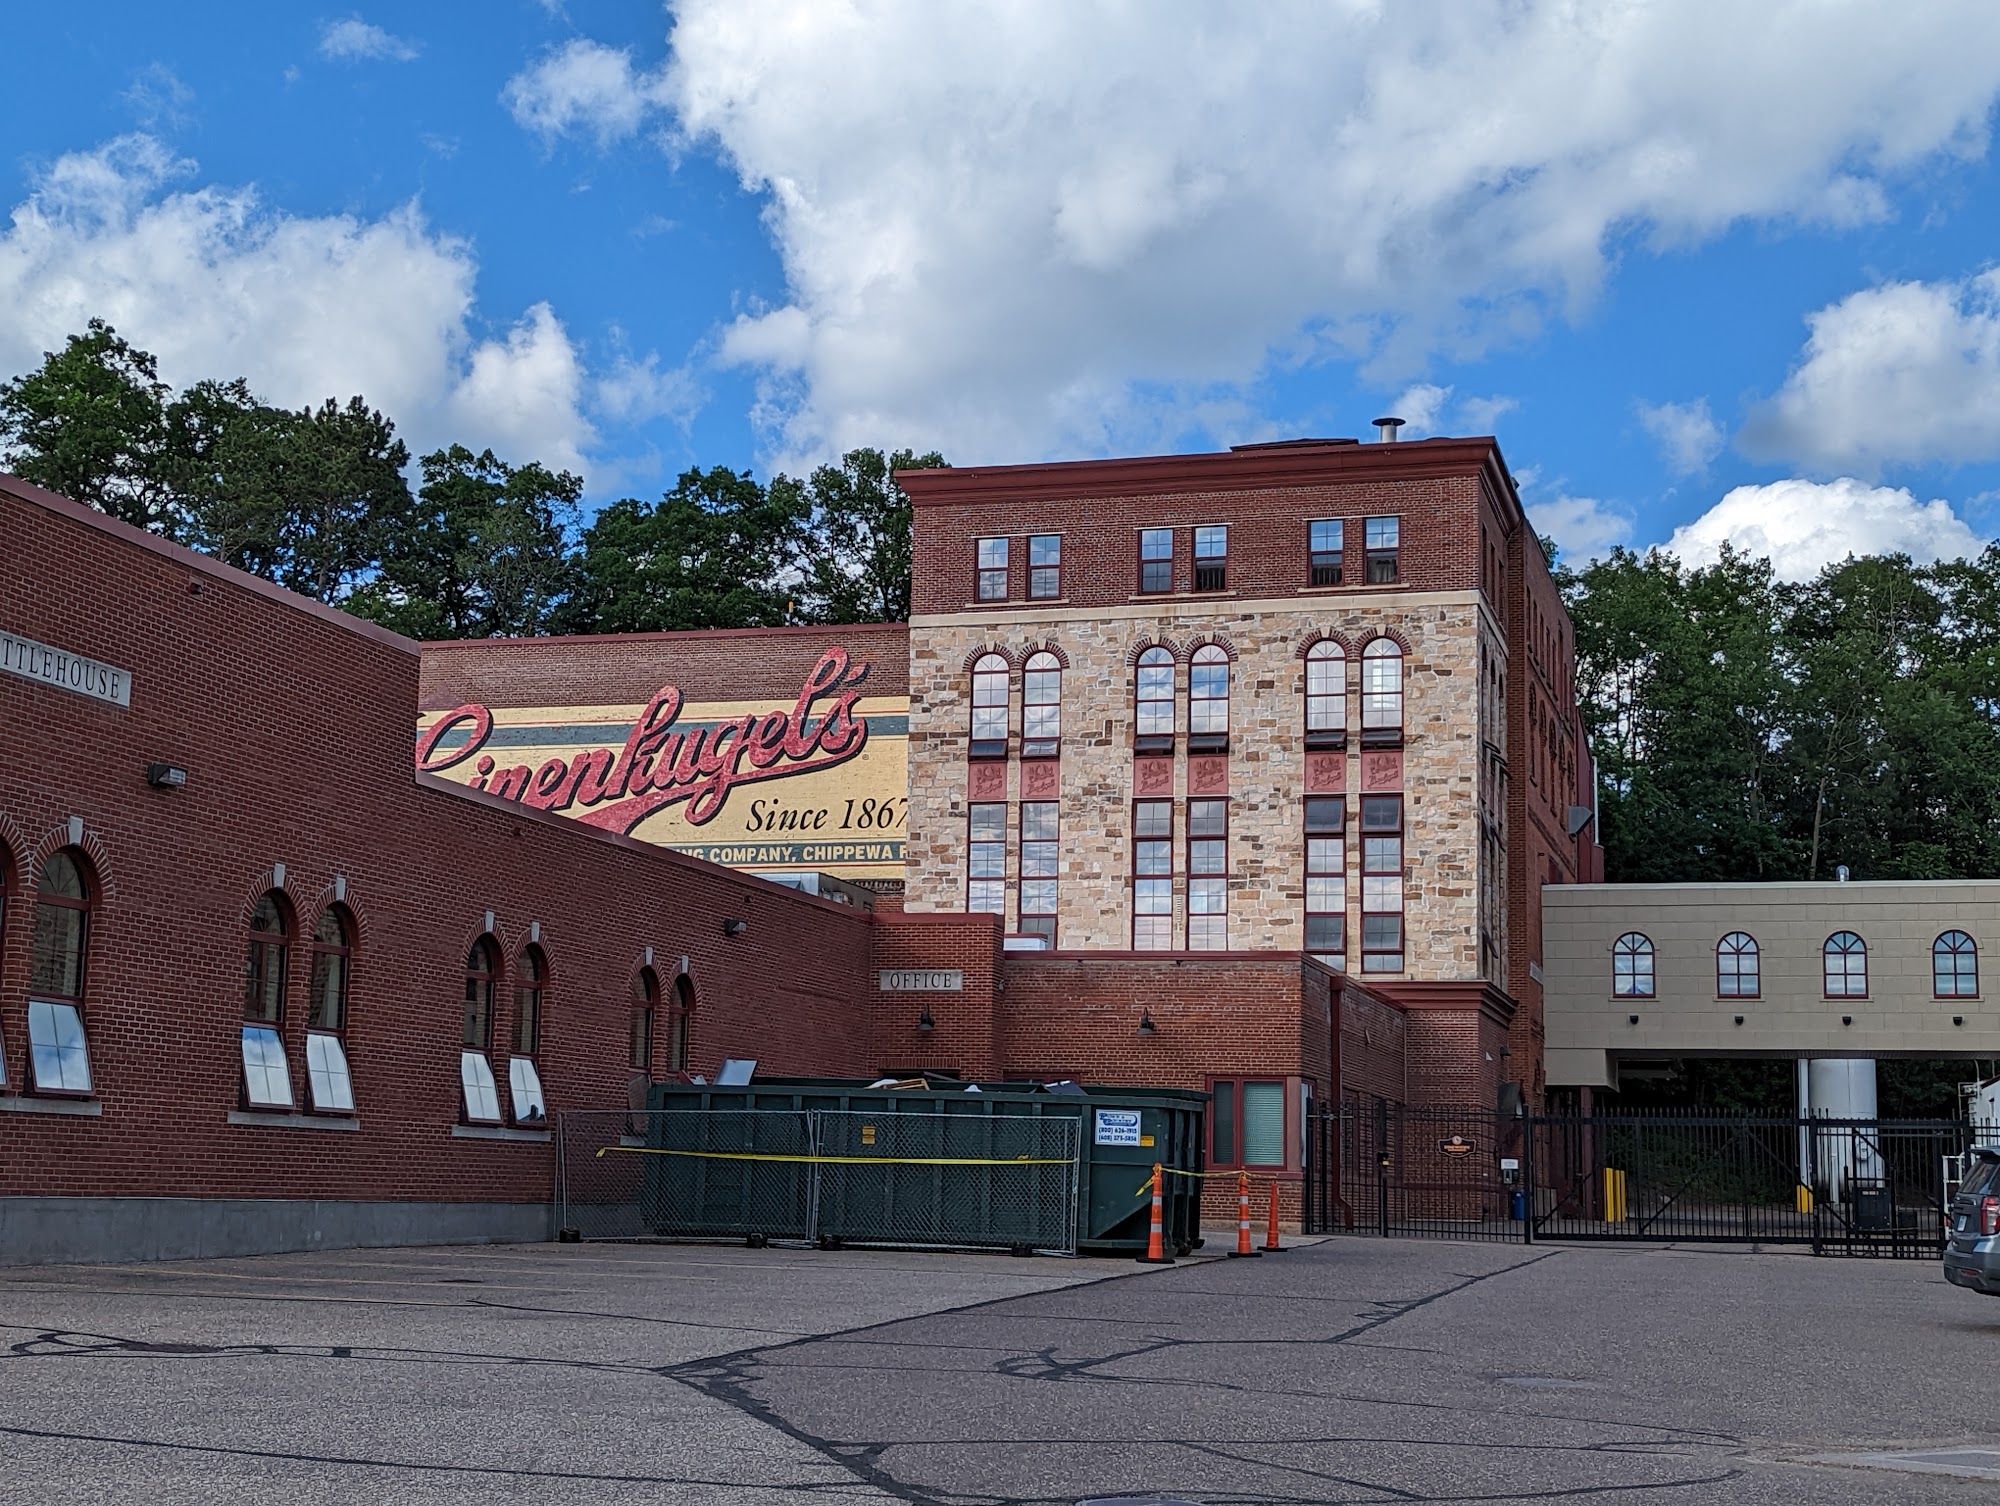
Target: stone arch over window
{"points": [[1143, 646], [1041, 705], [1047, 646], [1208, 699], [1194, 647], [1845, 960], [1738, 973], [991, 679], [1382, 693], [973, 656], [1955, 966], [66, 894], [1326, 693], [1632, 966]]}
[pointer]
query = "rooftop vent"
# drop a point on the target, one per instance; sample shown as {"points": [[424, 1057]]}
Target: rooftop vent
{"points": [[1387, 427]]}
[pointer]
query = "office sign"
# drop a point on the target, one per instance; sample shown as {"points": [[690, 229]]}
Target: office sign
{"points": [[921, 980]]}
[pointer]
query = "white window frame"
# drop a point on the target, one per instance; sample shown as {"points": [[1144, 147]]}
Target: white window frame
{"points": [[266, 1067], [524, 1093], [482, 1094], [330, 1083], [48, 1041]]}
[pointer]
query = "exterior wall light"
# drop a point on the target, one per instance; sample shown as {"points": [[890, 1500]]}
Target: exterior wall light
{"points": [[1958, 1019], [1146, 1025], [1739, 1019], [1847, 1019], [1631, 1019], [165, 776], [925, 1023], [735, 926]]}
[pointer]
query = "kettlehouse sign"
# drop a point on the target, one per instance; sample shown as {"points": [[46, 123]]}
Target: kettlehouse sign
{"points": [[815, 780], [64, 670]]}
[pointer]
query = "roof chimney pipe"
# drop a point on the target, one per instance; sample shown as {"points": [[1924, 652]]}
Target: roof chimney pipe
{"points": [[1386, 428]]}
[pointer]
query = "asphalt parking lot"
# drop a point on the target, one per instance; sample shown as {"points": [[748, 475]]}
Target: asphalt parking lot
{"points": [[1356, 1370]]}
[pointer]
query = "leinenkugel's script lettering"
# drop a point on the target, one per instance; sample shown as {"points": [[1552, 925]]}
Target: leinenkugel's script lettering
{"points": [[662, 764]]}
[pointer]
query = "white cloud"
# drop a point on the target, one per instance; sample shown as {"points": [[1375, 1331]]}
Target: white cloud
{"points": [[1802, 525], [1687, 434], [355, 40], [997, 226], [582, 86], [1482, 415], [1905, 372], [218, 285], [634, 391], [1420, 407], [1581, 526]]}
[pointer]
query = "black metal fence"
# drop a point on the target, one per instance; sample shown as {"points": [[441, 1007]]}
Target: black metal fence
{"points": [[821, 1176], [1841, 1187]]}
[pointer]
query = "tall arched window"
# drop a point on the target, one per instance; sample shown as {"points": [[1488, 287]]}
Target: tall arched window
{"points": [[1955, 966], [327, 1078], [1155, 693], [989, 707], [1846, 957], [679, 1025], [482, 1095], [524, 1078], [645, 1011], [1208, 700], [6, 888], [1041, 706], [1326, 695], [1736, 967], [1382, 694], [267, 1074], [1632, 966], [58, 1055]]}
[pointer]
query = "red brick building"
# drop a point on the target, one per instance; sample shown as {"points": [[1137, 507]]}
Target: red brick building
{"points": [[263, 985]]}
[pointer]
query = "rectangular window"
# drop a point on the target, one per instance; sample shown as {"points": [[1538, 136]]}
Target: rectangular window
{"points": [[58, 1059], [1248, 1123], [327, 1075], [993, 569], [1326, 876], [986, 868], [482, 1095], [1152, 875], [1156, 559], [1381, 883], [524, 1085], [1384, 540], [1324, 537], [1045, 566], [1040, 854], [1208, 875], [1211, 557], [267, 1077]]}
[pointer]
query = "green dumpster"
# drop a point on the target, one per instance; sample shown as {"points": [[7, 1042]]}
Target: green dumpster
{"points": [[987, 1165]]}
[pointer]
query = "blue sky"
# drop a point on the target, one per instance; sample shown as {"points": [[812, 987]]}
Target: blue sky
{"points": [[1707, 273]]}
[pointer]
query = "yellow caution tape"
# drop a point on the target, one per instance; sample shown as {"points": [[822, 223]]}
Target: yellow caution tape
{"points": [[1146, 1187], [746, 1155]]}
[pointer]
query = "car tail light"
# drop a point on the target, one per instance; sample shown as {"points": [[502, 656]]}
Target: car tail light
{"points": [[1989, 1216]]}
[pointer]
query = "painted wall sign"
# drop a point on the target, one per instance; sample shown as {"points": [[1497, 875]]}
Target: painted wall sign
{"points": [[64, 670], [1116, 1127], [922, 980], [817, 781]]}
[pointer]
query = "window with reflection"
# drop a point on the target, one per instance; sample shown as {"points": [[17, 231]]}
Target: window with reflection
{"points": [[531, 981], [1326, 695], [1326, 876], [680, 1024], [1324, 538], [1736, 966], [989, 706], [1041, 706], [1208, 700], [645, 1015], [1154, 690], [1955, 966], [58, 1053], [264, 974], [1382, 694], [481, 970], [332, 944], [482, 1095], [1845, 958], [1632, 966]]}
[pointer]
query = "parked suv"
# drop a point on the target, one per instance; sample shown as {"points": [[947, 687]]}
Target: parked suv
{"points": [[1972, 1243]]}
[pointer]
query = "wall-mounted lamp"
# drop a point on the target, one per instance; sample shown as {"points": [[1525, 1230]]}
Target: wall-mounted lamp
{"points": [[1505, 1052], [166, 776], [735, 926], [1847, 1019], [925, 1024], [1739, 1019], [1958, 1019], [1146, 1025], [1631, 1019]]}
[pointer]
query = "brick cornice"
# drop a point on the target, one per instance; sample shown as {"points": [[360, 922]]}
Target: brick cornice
{"points": [[1489, 999]]}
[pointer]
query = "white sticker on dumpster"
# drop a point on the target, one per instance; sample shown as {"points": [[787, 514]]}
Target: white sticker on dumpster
{"points": [[1117, 1127]]}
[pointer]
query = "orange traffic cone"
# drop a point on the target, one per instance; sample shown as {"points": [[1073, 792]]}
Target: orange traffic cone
{"points": [[1271, 1245], [1242, 1218], [1156, 1240]]}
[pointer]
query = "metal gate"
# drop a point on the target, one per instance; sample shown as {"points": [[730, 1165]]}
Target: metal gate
{"points": [[820, 1176], [1875, 1187]]}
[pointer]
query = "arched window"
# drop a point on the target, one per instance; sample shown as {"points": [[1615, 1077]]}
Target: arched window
{"points": [[58, 1055], [475, 1072], [6, 880], [1955, 966], [1632, 967], [1846, 956], [1382, 694], [327, 1078], [264, 975], [678, 1025], [1041, 706], [1736, 970], [989, 707], [645, 1011], [1155, 691], [531, 981], [1326, 695], [1208, 700]]}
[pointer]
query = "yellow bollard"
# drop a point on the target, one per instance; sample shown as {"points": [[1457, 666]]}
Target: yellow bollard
{"points": [[1614, 1195]]}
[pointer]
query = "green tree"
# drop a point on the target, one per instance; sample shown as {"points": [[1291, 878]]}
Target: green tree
{"points": [[712, 553], [90, 422], [853, 549], [486, 552]]}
